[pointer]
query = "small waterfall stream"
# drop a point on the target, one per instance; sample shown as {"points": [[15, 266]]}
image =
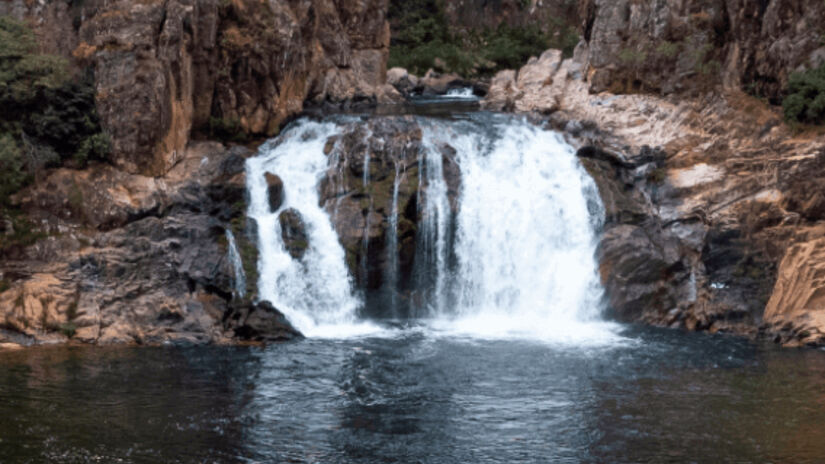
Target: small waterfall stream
{"points": [[239, 277], [514, 256]]}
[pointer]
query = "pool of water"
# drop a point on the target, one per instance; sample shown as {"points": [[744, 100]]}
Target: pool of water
{"points": [[415, 395]]}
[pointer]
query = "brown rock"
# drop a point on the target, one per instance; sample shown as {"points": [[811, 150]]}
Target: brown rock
{"points": [[163, 69]]}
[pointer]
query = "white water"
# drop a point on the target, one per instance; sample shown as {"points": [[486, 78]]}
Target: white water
{"points": [[465, 93], [239, 277], [522, 262], [315, 293], [525, 236]]}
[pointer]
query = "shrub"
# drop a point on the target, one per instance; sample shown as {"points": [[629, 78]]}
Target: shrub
{"points": [[47, 109], [632, 57], [12, 176], [668, 49], [421, 34], [806, 97]]}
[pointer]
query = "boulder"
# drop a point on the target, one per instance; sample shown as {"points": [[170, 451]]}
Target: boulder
{"points": [[262, 322], [275, 191], [402, 80], [294, 233]]}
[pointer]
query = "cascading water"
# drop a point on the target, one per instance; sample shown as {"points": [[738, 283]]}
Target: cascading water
{"points": [[525, 233], [315, 292], [513, 256], [239, 277]]}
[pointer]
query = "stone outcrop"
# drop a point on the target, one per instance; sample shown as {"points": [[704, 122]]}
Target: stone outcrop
{"points": [[293, 232], [132, 259], [796, 308], [696, 227], [165, 69], [369, 159]]}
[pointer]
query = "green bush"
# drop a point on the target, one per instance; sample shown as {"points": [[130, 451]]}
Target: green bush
{"points": [[46, 108], [421, 34], [12, 176], [805, 101]]}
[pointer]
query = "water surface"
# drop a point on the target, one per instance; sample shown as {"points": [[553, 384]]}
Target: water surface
{"points": [[415, 395]]}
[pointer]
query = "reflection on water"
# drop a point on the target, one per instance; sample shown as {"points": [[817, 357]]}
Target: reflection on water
{"points": [[416, 397]]}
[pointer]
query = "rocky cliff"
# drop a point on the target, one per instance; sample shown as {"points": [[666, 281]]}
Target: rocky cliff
{"points": [[676, 46], [164, 69]]}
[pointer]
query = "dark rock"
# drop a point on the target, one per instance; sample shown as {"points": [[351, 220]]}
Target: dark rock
{"points": [[293, 232], [275, 191], [261, 322]]}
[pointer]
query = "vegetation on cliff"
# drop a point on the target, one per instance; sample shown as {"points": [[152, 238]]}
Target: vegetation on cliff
{"points": [[805, 102], [422, 39], [49, 114]]}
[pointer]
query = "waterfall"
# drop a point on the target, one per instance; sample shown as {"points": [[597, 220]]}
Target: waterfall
{"points": [[239, 277], [525, 232], [392, 244], [504, 247], [434, 229], [315, 293]]}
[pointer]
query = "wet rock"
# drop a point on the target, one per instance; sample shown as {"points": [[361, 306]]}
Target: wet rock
{"points": [[275, 191], [262, 322], [293, 232], [388, 150]]}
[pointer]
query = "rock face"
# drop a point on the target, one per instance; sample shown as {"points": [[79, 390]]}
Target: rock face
{"points": [[293, 233], [690, 46], [696, 227], [163, 69], [132, 259], [797, 304], [368, 161]]}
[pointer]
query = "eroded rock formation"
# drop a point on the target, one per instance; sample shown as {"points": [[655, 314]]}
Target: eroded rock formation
{"points": [[164, 68]]}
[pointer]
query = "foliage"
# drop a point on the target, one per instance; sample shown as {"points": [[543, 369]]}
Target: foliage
{"points": [[68, 329], [421, 35], [48, 113], [24, 232], [805, 102], [631, 56], [12, 176], [668, 49]]}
